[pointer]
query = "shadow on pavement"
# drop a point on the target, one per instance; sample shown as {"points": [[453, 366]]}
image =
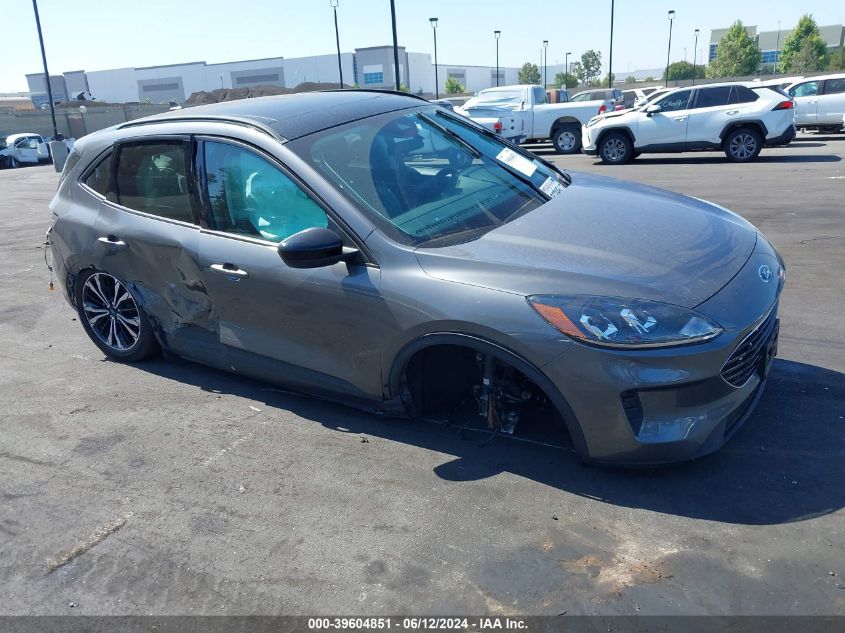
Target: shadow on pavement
{"points": [[785, 465]]}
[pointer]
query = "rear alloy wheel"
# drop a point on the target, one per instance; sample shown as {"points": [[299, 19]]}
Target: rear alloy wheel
{"points": [[743, 145], [567, 139], [616, 149], [112, 318]]}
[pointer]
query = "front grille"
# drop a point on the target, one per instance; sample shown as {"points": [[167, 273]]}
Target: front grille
{"points": [[748, 356]]}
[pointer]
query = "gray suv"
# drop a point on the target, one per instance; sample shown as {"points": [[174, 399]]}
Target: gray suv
{"points": [[376, 249]]}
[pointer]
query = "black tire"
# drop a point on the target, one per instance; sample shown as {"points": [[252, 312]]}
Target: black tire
{"points": [[112, 318], [13, 162], [616, 149], [743, 144], [830, 129], [567, 138]]}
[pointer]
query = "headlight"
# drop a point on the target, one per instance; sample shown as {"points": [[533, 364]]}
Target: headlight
{"points": [[619, 322], [593, 121]]}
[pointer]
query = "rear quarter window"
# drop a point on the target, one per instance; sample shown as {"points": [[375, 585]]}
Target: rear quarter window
{"points": [[98, 179], [73, 158]]}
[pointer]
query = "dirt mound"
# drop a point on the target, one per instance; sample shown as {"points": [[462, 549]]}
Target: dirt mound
{"points": [[231, 94]]}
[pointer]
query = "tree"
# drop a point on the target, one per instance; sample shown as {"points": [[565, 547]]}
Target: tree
{"points": [[529, 74], [837, 59], [630, 79], [649, 79], [804, 50], [566, 79], [683, 70], [589, 68], [453, 86], [736, 55]]}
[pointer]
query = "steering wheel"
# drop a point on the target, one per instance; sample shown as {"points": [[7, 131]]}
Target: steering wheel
{"points": [[446, 179]]}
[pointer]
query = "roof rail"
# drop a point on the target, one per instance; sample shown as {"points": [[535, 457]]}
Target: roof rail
{"points": [[378, 90], [214, 118]]}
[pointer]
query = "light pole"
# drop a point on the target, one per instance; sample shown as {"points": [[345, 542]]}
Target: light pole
{"points": [[46, 72], [545, 61], [566, 71], [436, 83], [610, 60], [777, 52], [694, 56], [395, 45], [333, 4], [497, 35], [669, 49]]}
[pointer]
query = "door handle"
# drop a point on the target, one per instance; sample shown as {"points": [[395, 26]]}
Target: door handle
{"points": [[680, 118], [114, 244], [230, 270], [730, 112]]}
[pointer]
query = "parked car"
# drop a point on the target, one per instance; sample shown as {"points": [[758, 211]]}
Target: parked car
{"points": [[611, 96], [521, 113], [310, 240], [653, 96], [636, 96], [731, 117], [819, 102], [444, 103], [25, 148]]}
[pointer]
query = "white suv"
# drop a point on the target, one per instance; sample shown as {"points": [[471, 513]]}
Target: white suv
{"points": [[819, 102], [737, 118]]}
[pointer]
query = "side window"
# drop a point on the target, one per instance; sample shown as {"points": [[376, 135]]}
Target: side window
{"points": [[151, 177], [834, 86], [712, 97], [99, 178], [674, 101], [807, 89], [251, 196], [741, 94]]}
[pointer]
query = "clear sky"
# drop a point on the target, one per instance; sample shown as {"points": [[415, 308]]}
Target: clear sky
{"points": [[100, 34]]}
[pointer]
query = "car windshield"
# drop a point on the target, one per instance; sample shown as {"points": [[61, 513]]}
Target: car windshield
{"points": [[427, 178]]}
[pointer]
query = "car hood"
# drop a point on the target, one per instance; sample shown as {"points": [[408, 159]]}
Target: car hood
{"points": [[605, 237]]}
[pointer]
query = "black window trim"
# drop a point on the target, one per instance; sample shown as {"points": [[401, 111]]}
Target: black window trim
{"points": [[148, 140], [198, 157]]}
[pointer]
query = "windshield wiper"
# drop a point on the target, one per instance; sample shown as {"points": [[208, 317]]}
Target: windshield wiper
{"points": [[475, 153]]}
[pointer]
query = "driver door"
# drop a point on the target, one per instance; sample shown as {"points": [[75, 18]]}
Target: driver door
{"points": [[666, 129], [318, 327], [26, 150]]}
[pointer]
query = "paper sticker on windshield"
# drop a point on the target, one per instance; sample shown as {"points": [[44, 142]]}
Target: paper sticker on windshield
{"points": [[519, 163], [551, 187]]}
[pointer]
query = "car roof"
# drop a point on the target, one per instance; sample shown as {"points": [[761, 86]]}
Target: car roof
{"points": [[291, 116], [818, 78], [14, 137]]}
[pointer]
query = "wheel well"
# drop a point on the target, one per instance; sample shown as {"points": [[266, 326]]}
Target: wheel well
{"points": [[568, 120], [623, 130], [755, 125], [442, 375]]}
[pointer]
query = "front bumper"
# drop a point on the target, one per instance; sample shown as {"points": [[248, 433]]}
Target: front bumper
{"points": [[666, 405], [588, 141]]}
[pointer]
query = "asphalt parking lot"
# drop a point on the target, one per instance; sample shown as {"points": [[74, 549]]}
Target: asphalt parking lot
{"points": [[175, 489]]}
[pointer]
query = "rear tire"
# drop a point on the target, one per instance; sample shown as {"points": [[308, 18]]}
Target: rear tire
{"points": [[567, 138], [743, 145], [112, 318], [616, 149], [830, 129], [13, 162]]}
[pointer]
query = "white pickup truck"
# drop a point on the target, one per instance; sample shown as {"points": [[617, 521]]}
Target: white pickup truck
{"points": [[522, 113]]}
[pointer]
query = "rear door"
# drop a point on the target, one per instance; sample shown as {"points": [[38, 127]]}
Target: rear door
{"points": [[711, 111], [147, 232], [831, 105], [806, 97]]}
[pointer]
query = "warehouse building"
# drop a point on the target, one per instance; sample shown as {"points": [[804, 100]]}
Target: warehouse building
{"points": [[371, 67], [770, 43]]}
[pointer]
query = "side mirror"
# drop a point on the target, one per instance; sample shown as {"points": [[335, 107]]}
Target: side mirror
{"points": [[314, 248], [653, 109]]}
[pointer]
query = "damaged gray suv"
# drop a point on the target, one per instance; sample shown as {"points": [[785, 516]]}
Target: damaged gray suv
{"points": [[376, 249]]}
